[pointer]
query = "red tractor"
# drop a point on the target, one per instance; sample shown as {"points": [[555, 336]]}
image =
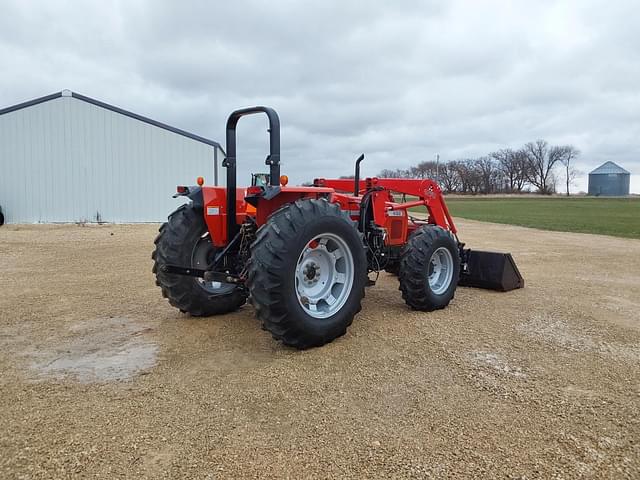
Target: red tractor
{"points": [[302, 255]]}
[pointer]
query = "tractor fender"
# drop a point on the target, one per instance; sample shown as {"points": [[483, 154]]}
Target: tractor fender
{"points": [[194, 194]]}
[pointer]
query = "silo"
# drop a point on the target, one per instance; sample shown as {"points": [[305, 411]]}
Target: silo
{"points": [[610, 180]]}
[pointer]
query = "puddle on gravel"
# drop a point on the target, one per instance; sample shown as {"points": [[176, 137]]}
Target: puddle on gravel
{"points": [[97, 350]]}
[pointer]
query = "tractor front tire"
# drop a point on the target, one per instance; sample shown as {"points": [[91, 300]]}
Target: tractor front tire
{"points": [[184, 241], [307, 273], [429, 269]]}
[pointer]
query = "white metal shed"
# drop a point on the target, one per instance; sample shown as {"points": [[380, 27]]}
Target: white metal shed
{"points": [[70, 158]]}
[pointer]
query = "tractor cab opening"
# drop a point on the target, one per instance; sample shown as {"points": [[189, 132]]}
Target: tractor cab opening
{"points": [[260, 179]]}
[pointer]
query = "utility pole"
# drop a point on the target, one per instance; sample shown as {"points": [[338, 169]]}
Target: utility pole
{"points": [[437, 170]]}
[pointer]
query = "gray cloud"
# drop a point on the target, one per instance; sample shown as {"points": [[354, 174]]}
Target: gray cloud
{"points": [[400, 81]]}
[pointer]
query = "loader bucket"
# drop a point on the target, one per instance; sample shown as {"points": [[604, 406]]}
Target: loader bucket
{"points": [[490, 270]]}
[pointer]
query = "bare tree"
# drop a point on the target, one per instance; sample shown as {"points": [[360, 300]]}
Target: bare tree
{"points": [[426, 169], [513, 167], [542, 159], [570, 153], [467, 176], [474, 177], [487, 174], [460, 169], [505, 170], [503, 157], [397, 173], [522, 166], [450, 177]]}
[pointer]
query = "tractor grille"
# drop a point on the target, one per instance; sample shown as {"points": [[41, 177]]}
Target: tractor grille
{"points": [[396, 228]]}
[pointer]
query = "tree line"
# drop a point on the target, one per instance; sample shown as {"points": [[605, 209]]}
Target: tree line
{"points": [[536, 166]]}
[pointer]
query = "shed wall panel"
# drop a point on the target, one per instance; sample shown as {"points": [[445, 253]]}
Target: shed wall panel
{"points": [[66, 160]]}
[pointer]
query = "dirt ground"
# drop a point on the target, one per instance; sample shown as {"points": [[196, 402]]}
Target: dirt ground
{"points": [[100, 377]]}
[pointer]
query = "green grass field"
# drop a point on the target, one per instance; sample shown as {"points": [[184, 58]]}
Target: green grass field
{"points": [[619, 217]]}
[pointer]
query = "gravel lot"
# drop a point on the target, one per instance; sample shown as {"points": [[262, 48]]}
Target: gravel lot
{"points": [[100, 377]]}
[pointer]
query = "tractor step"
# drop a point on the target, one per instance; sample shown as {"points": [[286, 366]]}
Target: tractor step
{"points": [[208, 275], [490, 270]]}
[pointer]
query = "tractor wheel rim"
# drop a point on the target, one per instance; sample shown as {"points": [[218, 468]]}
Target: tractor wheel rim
{"points": [[324, 275], [201, 257], [440, 270]]}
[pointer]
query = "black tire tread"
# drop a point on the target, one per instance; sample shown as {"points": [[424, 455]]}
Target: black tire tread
{"points": [[269, 251], [182, 292], [413, 261], [393, 267]]}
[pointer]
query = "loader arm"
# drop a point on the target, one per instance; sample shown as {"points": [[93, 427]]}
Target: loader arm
{"points": [[427, 191]]}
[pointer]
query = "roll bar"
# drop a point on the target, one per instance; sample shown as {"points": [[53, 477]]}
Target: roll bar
{"points": [[273, 159]]}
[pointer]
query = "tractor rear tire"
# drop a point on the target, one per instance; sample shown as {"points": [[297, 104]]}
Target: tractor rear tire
{"points": [[393, 267], [184, 241], [429, 269], [307, 273]]}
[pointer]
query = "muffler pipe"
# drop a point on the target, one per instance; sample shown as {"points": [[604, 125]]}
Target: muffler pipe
{"points": [[356, 178]]}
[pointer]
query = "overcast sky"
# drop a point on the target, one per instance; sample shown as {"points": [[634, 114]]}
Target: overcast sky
{"points": [[400, 81]]}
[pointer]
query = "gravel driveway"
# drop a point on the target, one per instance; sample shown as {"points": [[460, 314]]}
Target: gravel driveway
{"points": [[100, 377]]}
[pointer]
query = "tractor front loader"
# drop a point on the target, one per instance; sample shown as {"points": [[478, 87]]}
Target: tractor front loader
{"points": [[302, 254]]}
